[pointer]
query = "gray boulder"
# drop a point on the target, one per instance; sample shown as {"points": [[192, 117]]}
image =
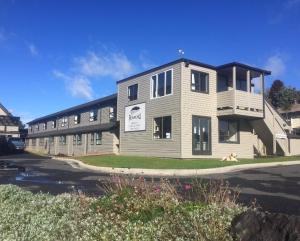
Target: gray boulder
{"points": [[254, 225]]}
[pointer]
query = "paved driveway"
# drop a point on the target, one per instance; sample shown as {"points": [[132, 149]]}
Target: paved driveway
{"points": [[275, 189]]}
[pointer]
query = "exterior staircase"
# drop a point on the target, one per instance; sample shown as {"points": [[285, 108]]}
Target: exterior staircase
{"points": [[272, 131]]}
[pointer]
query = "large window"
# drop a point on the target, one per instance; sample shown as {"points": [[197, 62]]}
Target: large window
{"points": [[162, 127], [162, 84], [228, 131], [92, 138], [45, 126], [33, 141], [93, 115], [51, 140], [76, 119], [133, 92], [200, 82]]}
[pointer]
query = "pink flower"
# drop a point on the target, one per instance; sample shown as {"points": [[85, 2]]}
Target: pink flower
{"points": [[187, 187]]}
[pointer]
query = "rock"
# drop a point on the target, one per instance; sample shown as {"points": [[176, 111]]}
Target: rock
{"points": [[263, 226]]}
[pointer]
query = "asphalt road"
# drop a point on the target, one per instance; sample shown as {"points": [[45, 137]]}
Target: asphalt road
{"points": [[275, 189]]}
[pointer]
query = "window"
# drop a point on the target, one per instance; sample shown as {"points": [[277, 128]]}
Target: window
{"points": [[44, 126], [93, 115], [41, 141], [33, 142], [64, 121], [51, 140], [77, 139], [228, 131], [76, 119], [162, 84], [201, 142], [63, 140], [98, 138], [162, 127], [37, 127], [133, 92], [74, 140], [31, 129], [199, 81], [111, 113], [92, 138], [53, 124]]}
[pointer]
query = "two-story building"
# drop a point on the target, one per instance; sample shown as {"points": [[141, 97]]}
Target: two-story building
{"points": [[182, 109], [9, 124], [89, 128]]}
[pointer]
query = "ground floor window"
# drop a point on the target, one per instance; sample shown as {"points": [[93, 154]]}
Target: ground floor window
{"points": [[63, 140], [162, 127], [92, 138], [201, 135], [98, 138], [228, 131], [77, 139], [41, 141], [33, 141], [51, 140]]}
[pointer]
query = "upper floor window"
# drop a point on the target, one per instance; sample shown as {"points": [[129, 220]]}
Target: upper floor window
{"points": [[162, 127], [200, 81], [93, 115], [37, 127], [31, 129], [228, 131], [161, 84], [53, 124], [111, 113], [44, 126], [76, 119], [64, 121], [133, 92]]}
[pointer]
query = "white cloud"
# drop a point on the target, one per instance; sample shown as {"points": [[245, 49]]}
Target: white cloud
{"points": [[94, 67], [77, 86], [33, 49], [114, 64], [276, 64], [145, 61]]}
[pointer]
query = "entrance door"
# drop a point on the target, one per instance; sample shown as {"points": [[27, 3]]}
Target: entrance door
{"points": [[201, 135]]}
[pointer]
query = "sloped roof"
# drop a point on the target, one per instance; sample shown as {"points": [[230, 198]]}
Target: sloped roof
{"points": [[4, 109], [9, 120]]}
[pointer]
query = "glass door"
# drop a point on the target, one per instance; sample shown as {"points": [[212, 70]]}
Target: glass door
{"points": [[201, 135]]}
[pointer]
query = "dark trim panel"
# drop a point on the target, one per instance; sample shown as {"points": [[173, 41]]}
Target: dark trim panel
{"points": [[77, 130]]}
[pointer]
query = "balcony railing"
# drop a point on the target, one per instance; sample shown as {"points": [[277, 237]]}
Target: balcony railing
{"points": [[237, 102]]}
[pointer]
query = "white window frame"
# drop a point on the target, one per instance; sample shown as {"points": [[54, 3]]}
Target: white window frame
{"points": [[98, 139], [76, 118], [64, 121], [92, 115], [44, 126], [165, 84], [53, 124], [111, 114]]}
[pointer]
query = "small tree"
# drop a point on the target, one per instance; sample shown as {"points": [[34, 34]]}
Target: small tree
{"points": [[274, 93], [287, 97]]}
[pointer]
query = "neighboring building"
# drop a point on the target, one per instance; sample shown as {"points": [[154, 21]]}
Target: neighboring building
{"points": [[183, 109], [9, 124], [89, 128], [292, 116]]}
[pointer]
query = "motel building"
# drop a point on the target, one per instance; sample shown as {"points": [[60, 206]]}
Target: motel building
{"points": [[182, 109]]}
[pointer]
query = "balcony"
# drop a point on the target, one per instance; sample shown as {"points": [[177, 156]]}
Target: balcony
{"points": [[240, 92]]}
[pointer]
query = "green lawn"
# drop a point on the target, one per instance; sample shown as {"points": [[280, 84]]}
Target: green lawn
{"points": [[169, 163]]}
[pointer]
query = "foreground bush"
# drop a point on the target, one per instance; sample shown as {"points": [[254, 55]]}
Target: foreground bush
{"points": [[132, 210]]}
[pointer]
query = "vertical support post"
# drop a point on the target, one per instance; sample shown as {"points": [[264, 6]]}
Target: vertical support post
{"points": [[248, 81], [261, 86], [234, 88], [85, 143], [274, 145]]}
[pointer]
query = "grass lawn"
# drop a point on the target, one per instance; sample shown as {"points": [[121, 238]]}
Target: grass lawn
{"points": [[169, 163]]}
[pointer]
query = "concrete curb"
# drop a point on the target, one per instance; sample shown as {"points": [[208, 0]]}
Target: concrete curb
{"points": [[173, 172]]}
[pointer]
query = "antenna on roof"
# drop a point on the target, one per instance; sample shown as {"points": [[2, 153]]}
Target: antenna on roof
{"points": [[180, 52]]}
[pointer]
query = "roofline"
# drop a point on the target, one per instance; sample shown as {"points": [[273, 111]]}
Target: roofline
{"points": [[266, 72], [197, 63], [5, 110], [166, 65], [75, 108]]}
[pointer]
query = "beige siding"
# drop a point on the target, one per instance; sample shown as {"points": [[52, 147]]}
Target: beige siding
{"points": [[200, 104], [294, 146], [142, 142]]}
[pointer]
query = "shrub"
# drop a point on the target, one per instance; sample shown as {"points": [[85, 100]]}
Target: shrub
{"points": [[131, 209]]}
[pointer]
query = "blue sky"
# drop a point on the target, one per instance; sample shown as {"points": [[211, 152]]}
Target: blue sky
{"points": [[56, 54]]}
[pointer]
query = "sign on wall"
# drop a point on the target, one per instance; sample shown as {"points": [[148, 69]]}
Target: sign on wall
{"points": [[135, 119]]}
